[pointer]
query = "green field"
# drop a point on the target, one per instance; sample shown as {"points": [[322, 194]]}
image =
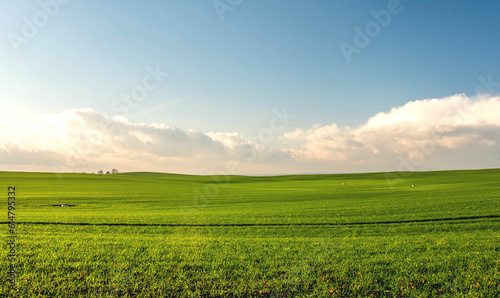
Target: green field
{"points": [[166, 235]]}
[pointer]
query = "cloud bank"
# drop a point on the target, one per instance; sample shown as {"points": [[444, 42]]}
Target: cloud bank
{"points": [[85, 140], [448, 133]]}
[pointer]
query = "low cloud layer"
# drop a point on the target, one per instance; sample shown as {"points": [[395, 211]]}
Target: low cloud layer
{"points": [[449, 133], [83, 139]]}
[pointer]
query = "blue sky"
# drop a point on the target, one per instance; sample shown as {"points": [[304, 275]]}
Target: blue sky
{"points": [[227, 75]]}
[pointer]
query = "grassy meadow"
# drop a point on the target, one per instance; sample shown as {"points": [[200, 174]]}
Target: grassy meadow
{"points": [[167, 235]]}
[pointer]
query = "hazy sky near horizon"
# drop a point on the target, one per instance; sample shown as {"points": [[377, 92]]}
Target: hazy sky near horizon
{"points": [[249, 86]]}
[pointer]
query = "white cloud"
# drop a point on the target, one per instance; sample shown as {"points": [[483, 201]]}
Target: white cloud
{"points": [[80, 139], [428, 129], [453, 132]]}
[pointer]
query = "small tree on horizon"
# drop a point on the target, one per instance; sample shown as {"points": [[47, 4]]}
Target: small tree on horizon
{"points": [[100, 172], [114, 171]]}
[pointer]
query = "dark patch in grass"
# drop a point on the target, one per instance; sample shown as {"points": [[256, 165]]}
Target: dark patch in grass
{"points": [[258, 225]]}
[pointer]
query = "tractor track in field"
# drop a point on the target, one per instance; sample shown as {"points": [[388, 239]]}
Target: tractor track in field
{"points": [[262, 224]]}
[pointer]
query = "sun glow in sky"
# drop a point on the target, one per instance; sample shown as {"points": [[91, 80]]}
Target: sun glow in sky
{"points": [[249, 87]]}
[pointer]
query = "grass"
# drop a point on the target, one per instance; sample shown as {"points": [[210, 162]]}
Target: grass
{"points": [[237, 236]]}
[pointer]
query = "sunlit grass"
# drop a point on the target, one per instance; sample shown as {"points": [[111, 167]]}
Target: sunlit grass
{"points": [[421, 259]]}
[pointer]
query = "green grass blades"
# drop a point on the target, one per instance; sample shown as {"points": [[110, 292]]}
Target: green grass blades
{"points": [[166, 235]]}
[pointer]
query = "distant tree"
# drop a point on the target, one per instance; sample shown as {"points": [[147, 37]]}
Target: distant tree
{"points": [[107, 173], [100, 172], [114, 171]]}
